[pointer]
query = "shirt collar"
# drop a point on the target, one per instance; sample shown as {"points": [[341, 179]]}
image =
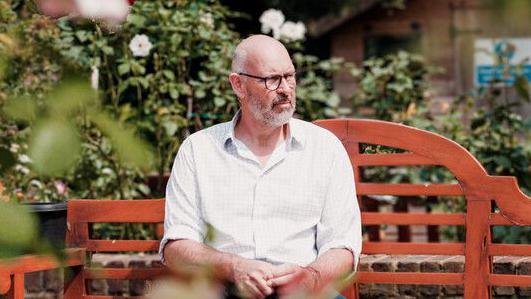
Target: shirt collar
{"points": [[295, 132]]}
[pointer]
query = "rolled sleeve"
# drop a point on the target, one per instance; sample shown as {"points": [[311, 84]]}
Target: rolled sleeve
{"points": [[340, 223], [183, 218]]}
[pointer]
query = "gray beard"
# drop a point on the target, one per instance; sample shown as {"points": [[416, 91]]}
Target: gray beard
{"points": [[267, 116]]}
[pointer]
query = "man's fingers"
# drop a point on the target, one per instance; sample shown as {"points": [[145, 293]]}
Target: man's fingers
{"points": [[282, 280], [284, 269], [253, 289], [247, 289], [261, 284]]}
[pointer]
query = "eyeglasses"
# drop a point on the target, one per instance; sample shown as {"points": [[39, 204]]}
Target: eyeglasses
{"points": [[273, 82]]}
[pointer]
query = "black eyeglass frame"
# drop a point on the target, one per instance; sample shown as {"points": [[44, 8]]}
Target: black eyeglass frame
{"points": [[284, 76]]}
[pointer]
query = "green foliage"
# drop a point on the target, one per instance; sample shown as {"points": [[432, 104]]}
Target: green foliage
{"points": [[393, 87], [498, 137], [315, 98], [41, 122], [179, 87], [396, 88]]}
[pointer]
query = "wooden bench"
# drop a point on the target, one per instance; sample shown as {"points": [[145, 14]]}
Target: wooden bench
{"points": [[420, 148]]}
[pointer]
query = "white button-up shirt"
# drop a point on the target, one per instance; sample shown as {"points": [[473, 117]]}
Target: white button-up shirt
{"points": [[301, 204]]}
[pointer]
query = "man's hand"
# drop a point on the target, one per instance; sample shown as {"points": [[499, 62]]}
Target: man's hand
{"points": [[250, 278], [289, 279]]}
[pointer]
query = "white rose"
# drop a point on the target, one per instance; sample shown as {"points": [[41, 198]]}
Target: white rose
{"points": [[271, 20], [140, 45], [95, 77], [291, 31], [111, 11]]}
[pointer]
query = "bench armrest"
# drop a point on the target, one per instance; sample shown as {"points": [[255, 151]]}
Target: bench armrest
{"points": [[33, 263]]}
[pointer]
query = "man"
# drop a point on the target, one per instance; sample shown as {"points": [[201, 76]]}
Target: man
{"points": [[277, 192]]}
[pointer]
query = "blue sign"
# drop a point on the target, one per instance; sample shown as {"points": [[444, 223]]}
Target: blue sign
{"points": [[485, 74], [501, 60]]}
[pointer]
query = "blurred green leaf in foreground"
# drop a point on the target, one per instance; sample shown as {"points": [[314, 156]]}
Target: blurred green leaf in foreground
{"points": [[55, 143]]}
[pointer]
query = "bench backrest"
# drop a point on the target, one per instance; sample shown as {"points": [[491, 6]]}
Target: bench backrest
{"points": [[84, 213], [473, 183], [421, 148]]}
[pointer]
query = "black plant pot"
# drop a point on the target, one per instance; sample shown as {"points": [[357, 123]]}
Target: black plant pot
{"points": [[52, 221]]}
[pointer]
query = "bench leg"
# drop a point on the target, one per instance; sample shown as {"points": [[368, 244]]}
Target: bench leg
{"points": [[74, 283], [351, 292], [17, 287]]}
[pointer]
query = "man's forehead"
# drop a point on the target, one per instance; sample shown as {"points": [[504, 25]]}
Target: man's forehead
{"points": [[266, 54], [274, 60]]}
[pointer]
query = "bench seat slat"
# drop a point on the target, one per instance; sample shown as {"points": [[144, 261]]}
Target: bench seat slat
{"points": [[123, 273], [510, 280], [413, 248], [122, 245], [130, 211], [409, 189], [411, 278], [371, 218], [401, 159], [509, 249]]}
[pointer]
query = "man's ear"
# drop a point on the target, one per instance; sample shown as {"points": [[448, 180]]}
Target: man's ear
{"points": [[236, 83]]}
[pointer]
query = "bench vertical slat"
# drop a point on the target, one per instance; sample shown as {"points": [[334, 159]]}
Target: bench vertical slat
{"points": [[77, 236], [74, 286], [17, 286], [477, 260], [353, 151]]}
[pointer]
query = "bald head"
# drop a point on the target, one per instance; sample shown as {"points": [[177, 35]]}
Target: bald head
{"points": [[257, 49]]}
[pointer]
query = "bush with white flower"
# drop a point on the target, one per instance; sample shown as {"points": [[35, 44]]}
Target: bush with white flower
{"points": [[272, 21], [164, 71], [140, 45], [314, 76]]}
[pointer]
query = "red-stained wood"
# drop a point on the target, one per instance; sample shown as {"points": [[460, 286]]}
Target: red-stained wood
{"points": [[123, 273], [17, 289], [75, 286], [408, 189], [400, 159], [34, 263], [82, 213], [411, 278], [12, 270], [510, 280], [478, 188], [5, 281], [368, 218], [122, 245], [130, 211], [477, 260], [422, 148], [413, 248], [509, 249], [351, 291], [511, 201], [500, 219]]}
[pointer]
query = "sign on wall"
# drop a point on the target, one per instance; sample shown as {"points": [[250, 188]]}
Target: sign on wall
{"points": [[501, 59]]}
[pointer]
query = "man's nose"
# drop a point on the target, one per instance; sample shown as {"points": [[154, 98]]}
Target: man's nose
{"points": [[284, 86]]}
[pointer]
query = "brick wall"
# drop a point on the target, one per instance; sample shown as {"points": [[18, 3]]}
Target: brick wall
{"points": [[48, 284]]}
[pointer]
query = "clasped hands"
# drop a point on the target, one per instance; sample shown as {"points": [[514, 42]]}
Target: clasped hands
{"points": [[257, 279]]}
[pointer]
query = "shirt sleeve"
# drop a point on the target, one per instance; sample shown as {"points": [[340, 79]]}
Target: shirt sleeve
{"points": [[340, 223], [182, 218]]}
